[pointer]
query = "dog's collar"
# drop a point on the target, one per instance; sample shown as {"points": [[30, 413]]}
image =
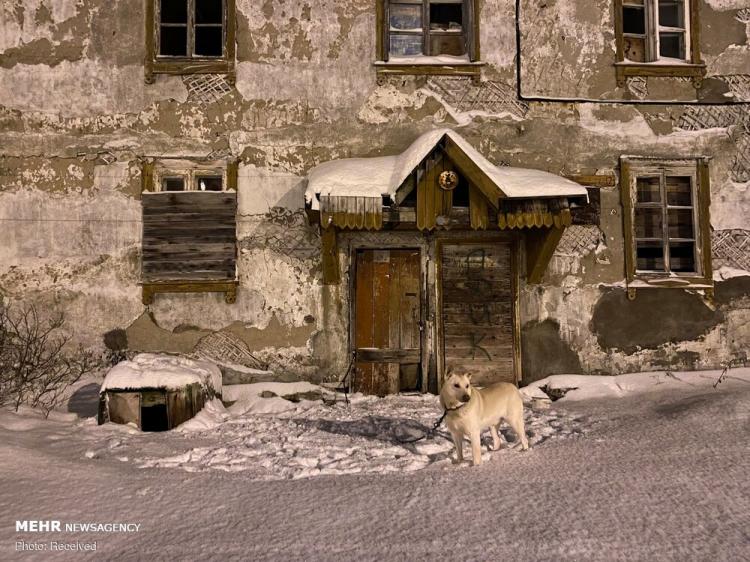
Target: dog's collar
{"points": [[461, 405]]}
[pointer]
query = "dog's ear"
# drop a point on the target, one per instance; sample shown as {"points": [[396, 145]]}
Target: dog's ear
{"points": [[468, 376]]}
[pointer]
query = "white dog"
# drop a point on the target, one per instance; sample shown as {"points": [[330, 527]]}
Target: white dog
{"points": [[470, 410]]}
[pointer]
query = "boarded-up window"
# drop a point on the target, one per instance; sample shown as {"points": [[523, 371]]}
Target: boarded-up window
{"points": [[189, 236], [477, 310]]}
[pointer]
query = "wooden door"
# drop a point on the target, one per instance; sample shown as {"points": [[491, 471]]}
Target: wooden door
{"points": [[387, 321], [477, 310]]}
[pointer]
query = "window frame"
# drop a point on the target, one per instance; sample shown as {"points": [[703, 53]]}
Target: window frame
{"points": [[384, 65], [692, 66], [191, 64], [153, 170], [633, 167]]}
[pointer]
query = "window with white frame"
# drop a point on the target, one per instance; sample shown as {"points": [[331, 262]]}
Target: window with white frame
{"points": [[656, 30], [667, 232]]}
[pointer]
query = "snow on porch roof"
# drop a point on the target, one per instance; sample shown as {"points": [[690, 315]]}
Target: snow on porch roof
{"points": [[383, 175]]}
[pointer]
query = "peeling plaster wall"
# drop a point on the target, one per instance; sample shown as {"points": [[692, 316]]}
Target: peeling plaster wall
{"points": [[568, 50], [77, 120]]}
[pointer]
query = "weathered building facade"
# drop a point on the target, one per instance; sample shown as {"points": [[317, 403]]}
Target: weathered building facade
{"points": [[112, 113]]}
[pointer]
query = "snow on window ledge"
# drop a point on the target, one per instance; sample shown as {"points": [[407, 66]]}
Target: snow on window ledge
{"points": [[419, 60]]}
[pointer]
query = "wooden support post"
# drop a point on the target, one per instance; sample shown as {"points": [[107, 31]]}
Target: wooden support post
{"points": [[330, 256], [540, 245]]}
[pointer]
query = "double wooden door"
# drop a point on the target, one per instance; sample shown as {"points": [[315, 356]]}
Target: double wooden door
{"points": [[388, 321]]}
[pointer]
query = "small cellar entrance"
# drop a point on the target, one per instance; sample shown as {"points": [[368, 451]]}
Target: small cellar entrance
{"points": [[387, 321], [154, 411]]}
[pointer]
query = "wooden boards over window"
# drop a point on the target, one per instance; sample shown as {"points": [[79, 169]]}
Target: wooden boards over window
{"points": [[189, 236]]}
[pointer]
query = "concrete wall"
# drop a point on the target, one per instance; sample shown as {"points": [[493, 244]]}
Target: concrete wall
{"points": [[77, 119]]}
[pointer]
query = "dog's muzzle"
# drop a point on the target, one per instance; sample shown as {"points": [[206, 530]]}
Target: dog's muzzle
{"points": [[465, 398]]}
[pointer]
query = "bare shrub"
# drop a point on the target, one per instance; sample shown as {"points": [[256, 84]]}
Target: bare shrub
{"points": [[36, 368]]}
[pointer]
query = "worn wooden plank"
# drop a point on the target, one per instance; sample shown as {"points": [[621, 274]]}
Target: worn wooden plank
{"points": [[388, 355], [380, 295], [410, 299], [190, 199], [540, 245], [330, 256], [189, 276], [364, 320], [189, 246]]}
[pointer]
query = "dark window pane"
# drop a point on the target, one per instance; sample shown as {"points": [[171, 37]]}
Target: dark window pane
{"points": [[680, 222], [648, 190], [447, 45], [682, 257], [405, 45], [174, 11], [406, 16], [209, 183], [173, 184], [648, 223], [633, 20], [173, 41], [672, 45], [679, 191], [649, 256], [446, 17], [635, 49], [208, 11], [670, 14], [209, 41]]}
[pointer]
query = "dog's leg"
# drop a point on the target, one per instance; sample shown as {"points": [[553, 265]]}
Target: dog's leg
{"points": [[496, 442], [458, 440], [517, 424], [476, 448]]}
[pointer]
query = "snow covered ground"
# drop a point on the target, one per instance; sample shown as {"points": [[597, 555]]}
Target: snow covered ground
{"points": [[638, 467]]}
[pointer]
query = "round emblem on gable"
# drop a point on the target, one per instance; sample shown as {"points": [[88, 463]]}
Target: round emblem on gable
{"points": [[448, 180]]}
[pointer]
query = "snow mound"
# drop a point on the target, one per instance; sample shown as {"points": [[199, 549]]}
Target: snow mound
{"points": [[154, 370], [582, 387], [211, 416]]}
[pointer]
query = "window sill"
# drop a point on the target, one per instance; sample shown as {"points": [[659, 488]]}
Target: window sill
{"points": [[190, 66], [626, 69], [420, 66], [229, 288], [688, 282]]}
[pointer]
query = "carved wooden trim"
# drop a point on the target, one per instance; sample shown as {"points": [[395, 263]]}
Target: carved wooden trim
{"points": [[229, 288]]}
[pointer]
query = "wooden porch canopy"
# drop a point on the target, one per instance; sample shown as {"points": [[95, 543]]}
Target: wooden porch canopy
{"points": [[440, 181]]}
